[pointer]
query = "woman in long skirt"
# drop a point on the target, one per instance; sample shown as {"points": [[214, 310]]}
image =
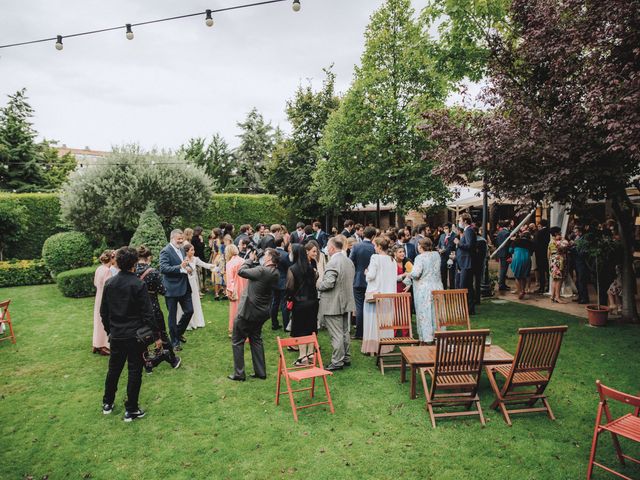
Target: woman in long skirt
{"points": [[100, 338]]}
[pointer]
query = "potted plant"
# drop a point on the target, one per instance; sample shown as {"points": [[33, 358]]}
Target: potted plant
{"points": [[600, 250]]}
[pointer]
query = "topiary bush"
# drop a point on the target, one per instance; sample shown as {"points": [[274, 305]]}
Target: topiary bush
{"points": [[150, 233], [77, 283], [24, 272], [66, 251]]}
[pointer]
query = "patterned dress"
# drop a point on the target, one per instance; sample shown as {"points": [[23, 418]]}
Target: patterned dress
{"points": [[426, 278], [556, 261]]}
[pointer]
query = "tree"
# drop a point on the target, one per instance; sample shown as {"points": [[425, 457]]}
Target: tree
{"points": [[250, 158], [565, 123], [150, 233], [107, 199], [55, 167], [371, 141], [215, 158], [295, 158], [13, 221]]}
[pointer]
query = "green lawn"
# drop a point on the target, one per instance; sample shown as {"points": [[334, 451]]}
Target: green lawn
{"points": [[201, 425]]}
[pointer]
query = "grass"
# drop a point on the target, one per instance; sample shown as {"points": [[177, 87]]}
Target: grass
{"points": [[201, 425]]}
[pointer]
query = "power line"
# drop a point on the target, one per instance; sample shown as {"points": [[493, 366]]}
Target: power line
{"points": [[58, 38]]}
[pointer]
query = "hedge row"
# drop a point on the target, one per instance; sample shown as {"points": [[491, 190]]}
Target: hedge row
{"points": [[77, 283], [24, 272], [43, 220]]}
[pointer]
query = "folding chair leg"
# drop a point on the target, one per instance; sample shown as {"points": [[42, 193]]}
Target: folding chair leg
{"points": [[428, 397], [592, 456], [292, 400], [616, 444], [278, 382], [326, 389], [505, 413], [480, 412], [378, 356], [548, 407], [313, 387]]}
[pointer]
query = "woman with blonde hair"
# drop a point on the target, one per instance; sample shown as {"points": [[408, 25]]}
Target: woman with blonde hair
{"points": [[100, 338], [217, 259], [235, 283]]}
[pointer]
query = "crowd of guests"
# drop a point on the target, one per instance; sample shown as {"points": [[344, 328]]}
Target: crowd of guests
{"points": [[305, 280]]}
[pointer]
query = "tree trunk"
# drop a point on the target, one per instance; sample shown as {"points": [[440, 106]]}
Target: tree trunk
{"points": [[623, 213]]}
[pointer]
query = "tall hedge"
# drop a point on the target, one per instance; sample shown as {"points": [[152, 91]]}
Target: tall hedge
{"points": [[43, 220]]}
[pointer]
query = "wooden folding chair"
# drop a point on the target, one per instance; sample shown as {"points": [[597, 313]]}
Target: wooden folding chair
{"points": [[532, 366], [627, 426], [5, 319], [457, 371], [451, 309], [312, 371], [393, 312]]}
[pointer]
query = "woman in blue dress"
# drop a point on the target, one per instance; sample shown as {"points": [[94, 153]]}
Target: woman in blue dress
{"points": [[521, 260], [426, 278]]}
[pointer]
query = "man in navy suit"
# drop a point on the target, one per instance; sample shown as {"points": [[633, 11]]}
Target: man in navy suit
{"points": [[174, 269], [279, 297], [360, 256], [409, 248], [321, 237], [446, 246], [502, 255], [466, 246]]}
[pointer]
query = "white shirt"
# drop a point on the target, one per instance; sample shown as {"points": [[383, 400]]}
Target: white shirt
{"points": [[180, 255]]}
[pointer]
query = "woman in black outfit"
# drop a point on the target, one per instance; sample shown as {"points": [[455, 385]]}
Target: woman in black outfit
{"points": [[198, 244], [153, 280], [301, 289]]}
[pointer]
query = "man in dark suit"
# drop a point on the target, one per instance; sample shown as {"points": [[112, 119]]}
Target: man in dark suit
{"points": [[253, 311], [298, 236], [409, 248], [465, 247], [244, 233], [269, 240], [446, 246], [174, 269], [279, 294], [541, 245], [358, 232], [348, 228], [360, 256], [320, 236], [502, 255], [125, 308], [478, 264]]}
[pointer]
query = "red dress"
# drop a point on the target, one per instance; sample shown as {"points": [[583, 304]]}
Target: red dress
{"points": [[399, 289]]}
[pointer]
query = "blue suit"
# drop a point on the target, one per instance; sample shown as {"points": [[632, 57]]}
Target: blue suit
{"points": [[178, 291], [466, 249], [410, 251], [279, 294], [360, 256], [322, 238], [446, 243], [502, 255]]}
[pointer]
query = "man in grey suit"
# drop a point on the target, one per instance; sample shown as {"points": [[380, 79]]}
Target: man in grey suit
{"points": [[253, 311], [336, 301]]}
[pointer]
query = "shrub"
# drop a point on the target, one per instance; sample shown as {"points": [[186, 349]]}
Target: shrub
{"points": [[24, 272], [13, 221], [42, 211], [77, 283], [150, 233], [67, 250]]}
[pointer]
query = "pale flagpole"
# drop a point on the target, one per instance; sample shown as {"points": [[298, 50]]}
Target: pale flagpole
{"points": [[522, 223]]}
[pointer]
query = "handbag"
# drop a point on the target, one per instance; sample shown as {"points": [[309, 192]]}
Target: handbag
{"points": [[145, 335]]}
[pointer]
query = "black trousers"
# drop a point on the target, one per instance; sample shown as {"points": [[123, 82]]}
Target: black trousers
{"points": [[358, 295], [444, 276], [244, 328], [129, 351], [176, 330], [465, 280], [542, 266], [163, 354], [279, 304], [582, 282]]}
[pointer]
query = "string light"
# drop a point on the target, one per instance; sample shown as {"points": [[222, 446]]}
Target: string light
{"points": [[129, 26]]}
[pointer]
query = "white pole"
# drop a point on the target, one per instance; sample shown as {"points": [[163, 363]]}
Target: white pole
{"points": [[526, 219]]}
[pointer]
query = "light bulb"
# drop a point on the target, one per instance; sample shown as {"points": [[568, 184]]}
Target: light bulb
{"points": [[129, 32], [209, 20], [296, 5], [59, 45]]}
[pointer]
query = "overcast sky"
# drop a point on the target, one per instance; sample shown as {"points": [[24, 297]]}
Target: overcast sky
{"points": [[174, 80]]}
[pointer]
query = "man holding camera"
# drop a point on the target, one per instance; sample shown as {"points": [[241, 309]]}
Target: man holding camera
{"points": [[253, 312]]}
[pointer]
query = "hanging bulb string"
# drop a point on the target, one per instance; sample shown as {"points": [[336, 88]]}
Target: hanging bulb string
{"points": [[148, 22]]}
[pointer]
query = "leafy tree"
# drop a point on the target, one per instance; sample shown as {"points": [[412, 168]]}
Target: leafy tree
{"points": [[371, 148], [55, 167], [215, 158], [13, 221], [250, 158], [294, 159], [565, 122], [107, 199], [150, 233]]}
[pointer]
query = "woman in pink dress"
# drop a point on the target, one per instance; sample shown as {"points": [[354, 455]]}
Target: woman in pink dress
{"points": [[100, 340], [235, 283]]}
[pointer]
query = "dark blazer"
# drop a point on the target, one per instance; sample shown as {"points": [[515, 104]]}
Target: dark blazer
{"points": [[322, 238], [448, 246], [501, 236], [477, 259], [466, 249], [542, 239], [361, 256], [295, 237], [410, 251], [125, 306], [283, 267], [268, 241], [255, 304], [347, 233], [198, 246], [175, 282]]}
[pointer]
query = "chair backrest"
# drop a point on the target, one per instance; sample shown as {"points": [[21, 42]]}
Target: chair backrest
{"points": [[608, 392], [393, 311], [4, 308], [296, 341], [537, 351], [451, 308], [459, 352]]}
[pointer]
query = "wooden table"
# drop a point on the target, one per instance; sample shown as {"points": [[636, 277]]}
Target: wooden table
{"points": [[425, 356]]}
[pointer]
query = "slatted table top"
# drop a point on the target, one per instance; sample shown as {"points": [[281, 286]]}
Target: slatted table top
{"points": [[425, 355]]}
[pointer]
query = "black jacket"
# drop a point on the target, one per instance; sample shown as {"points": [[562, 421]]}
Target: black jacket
{"points": [[125, 306]]}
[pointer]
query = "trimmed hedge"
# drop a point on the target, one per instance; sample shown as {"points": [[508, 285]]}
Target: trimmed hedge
{"points": [[24, 272], [66, 251], [43, 220], [77, 283]]}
